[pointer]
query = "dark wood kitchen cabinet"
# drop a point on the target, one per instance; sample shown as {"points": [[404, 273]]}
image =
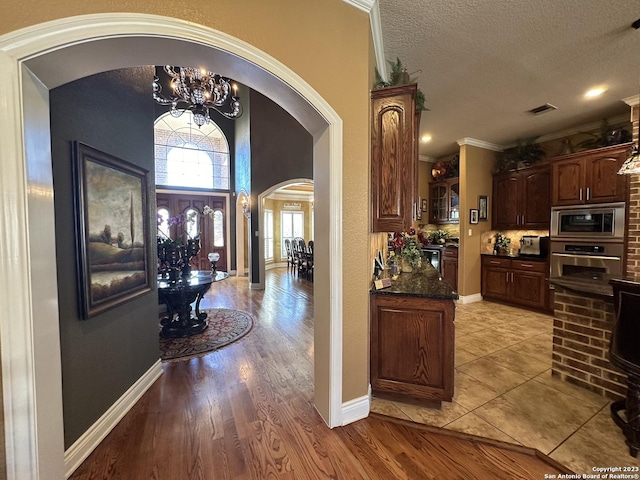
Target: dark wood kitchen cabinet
{"points": [[522, 199], [444, 201], [412, 347], [517, 281], [590, 177], [394, 157], [450, 266]]}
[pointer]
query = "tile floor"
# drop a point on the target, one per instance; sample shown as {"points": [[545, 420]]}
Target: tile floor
{"points": [[504, 390]]}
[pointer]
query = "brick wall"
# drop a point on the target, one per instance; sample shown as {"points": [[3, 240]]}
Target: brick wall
{"points": [[582, 324], [633, 246], [581, 334]]}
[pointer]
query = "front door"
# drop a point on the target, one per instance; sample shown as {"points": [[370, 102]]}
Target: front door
{"points": [[211, 228]]}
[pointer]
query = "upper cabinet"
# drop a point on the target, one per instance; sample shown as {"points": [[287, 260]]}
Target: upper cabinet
{"points": [[394, 157], [590, 177], [522, 199], [444, 201]]}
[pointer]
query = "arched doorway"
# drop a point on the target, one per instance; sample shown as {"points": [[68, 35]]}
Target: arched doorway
{"points": [[261, 197], [41, 58]]}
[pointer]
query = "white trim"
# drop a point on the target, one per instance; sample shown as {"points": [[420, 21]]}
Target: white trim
{"points": [[474, 297], [620, 119], [90, 439], [632, 101], [364, 5], [29, 446], [378, 43], [479, 143], [356, 409]]}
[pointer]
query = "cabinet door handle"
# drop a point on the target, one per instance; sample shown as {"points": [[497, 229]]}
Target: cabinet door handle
{"points": [[526, 265], [493, 262], [580, 194], [507, 277], [511, 277], [588, 193]]}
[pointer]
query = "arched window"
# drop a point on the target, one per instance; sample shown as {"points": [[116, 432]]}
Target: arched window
{"points": [[188, 156]]}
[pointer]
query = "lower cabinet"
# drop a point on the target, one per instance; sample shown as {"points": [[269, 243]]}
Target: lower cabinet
{"points": [[517, 281], [450, 266], [412, 347]]}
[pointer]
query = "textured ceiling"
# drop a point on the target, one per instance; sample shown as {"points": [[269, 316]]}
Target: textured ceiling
{"points": [[484, 63]]}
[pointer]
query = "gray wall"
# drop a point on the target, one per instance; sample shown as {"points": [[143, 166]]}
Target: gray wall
{"points": [[281, 150], [103, 356]]}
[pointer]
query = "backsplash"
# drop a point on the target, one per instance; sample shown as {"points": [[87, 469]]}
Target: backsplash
{"points": [[454, 230], [488, 238]]}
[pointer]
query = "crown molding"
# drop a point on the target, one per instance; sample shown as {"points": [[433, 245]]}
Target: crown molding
{"points": [[632, 101], [479, 143], [372, 8], [291, 196], [364, 5], [582, 128], [426, 158]]}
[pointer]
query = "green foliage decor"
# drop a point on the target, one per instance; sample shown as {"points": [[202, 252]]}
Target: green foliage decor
{"points": [[400, 76]]}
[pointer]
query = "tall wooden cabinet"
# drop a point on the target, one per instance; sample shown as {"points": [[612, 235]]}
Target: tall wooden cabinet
{"points": [[590, 177], [521, 199], [444, 201], [394, 157]]}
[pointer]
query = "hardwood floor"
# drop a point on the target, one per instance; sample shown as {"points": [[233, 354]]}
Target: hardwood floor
{"points": [[246, 412]]}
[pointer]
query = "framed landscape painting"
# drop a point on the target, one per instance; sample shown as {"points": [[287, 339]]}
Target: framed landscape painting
{"points": [[112, 236]]}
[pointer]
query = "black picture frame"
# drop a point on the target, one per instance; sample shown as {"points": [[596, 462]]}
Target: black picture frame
{"points": [[473, 216], [112, 233], [483, 208]]}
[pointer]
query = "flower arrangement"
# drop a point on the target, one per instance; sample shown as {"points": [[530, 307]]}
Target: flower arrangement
{"points": [[407, 246], [502, 241], [439, 236], [175, 255], [187, 220]]}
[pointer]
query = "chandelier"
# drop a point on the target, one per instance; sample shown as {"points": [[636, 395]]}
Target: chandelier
{"points": [[198, 90]]}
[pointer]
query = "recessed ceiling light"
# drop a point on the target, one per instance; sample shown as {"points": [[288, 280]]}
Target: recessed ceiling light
{"points": [[595, 92], [426, 138]]}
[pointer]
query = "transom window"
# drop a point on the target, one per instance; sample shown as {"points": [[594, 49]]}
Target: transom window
{"points": [[188, 156]]}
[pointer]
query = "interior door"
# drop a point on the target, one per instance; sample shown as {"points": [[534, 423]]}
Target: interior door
{"points": [[212, 229]]}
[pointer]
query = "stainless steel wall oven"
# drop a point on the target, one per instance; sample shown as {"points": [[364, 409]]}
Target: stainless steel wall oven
{"points": [[598, 223]]}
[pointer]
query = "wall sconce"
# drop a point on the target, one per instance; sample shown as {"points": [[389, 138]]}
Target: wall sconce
{"points": [[246, 207]]}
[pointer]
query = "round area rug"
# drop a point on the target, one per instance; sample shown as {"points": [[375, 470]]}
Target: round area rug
{"points": [[225, 327]]}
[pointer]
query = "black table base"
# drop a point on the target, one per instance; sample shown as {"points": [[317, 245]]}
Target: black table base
{"points": [[178, 297]]}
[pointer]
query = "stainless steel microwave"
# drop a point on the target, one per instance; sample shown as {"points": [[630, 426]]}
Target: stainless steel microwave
{"points": [[601, 222]]}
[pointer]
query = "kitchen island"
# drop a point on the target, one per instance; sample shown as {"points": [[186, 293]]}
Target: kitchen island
{"points": [[584, 317], [412, 338]]}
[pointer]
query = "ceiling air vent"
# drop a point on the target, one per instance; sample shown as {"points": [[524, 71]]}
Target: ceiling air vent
{"points": [[547, 107]]}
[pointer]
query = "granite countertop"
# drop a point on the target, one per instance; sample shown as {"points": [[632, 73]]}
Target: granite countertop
{"points": [[422, 282]]}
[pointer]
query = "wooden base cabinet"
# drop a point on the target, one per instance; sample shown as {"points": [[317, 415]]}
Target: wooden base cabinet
{"points": [[517, 281], [450, 266], [412, 347]]}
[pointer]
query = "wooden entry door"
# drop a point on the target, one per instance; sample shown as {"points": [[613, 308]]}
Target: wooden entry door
{"points": [[212, 230]]}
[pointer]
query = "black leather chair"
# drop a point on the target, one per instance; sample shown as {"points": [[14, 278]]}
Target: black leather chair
{"points": [[624, 353]]}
